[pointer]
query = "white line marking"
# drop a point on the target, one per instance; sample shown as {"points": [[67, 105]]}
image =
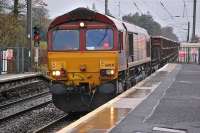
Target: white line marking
{"points": [[168, 130], [144, 88], [185, 82], [192, 71], [158, 102], [164, 68]]}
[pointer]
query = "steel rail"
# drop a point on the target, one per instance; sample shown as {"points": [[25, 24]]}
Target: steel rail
{"points": [[24, 111], [66, 118], [6, 105], [51, 124]]}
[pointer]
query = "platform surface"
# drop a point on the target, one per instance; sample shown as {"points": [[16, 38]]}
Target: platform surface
{"points": [[174, 107], [10, 77], [118, 112]]}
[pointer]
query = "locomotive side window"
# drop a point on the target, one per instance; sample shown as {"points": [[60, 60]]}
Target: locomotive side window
{"points": [[148, 48], [120, 41], [99, 39], [130, 42], [65, 40]]}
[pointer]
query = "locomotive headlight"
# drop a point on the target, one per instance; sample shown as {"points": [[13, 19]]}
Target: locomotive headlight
{"points": [[107, 72], [82, 24], [56, 73], [110, 72]]}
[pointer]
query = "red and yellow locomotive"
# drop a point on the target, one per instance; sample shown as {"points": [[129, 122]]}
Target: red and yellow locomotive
{"points": [[93, 57]]}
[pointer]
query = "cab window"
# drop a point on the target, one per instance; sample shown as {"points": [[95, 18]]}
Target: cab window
{"points": [[99, 39], [65, 40]]}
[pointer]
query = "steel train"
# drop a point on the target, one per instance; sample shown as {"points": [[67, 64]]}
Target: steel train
{"points": [[163, 50], [93, 57]]}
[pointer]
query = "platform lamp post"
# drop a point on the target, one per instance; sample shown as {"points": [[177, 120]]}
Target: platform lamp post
{"points": [[194, 20], [106, 7], [36, 39], [188, 31], [29, 30]]}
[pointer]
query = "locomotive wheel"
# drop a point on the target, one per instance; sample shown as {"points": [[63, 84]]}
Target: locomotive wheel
{"points": [[68, 99], [103, 94], [127, 84], [120, 86], [71, 103]]}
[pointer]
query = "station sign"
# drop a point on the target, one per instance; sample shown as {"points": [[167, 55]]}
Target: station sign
{"points": [[182, 53], [194, 51], [9, 54]]}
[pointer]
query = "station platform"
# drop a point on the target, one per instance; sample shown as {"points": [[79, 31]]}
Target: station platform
{"points": [[11, 77], [168, 101]]}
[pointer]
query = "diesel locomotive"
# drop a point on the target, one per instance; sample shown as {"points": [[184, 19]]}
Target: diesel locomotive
{"points": [[93, 57]]}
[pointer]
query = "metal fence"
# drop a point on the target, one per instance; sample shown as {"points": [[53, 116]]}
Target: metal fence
{"points": [[189, 54], [18, 59], [14, 60]]}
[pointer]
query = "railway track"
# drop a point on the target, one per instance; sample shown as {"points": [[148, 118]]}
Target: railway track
{"points": [[8, 87], [6, 105], [9, 84], [22, 106], [51, 124], [60, 122], [11, 92], [21, 84]]}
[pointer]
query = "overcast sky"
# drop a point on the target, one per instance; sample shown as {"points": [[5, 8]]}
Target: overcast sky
{"points": [[161, 15]]}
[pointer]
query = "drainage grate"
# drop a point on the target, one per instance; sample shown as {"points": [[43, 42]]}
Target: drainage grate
{"points": [[169, 130]]}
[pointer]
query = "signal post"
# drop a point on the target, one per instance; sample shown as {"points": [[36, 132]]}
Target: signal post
{"points": [[36, 45]]}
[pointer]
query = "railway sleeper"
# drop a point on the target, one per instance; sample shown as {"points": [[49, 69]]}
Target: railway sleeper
{"points": [[24, 88]]}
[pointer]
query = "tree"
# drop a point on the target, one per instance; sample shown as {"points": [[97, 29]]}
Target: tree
{"points": [[40, 19], [3, 4], [168, 32], [19, 6], [145, 21], [154, 28], [16, 8], [12, 32], [13, 23]]}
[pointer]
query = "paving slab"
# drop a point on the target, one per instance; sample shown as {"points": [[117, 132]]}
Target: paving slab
{"points": [[113, 113], [173, 107]]}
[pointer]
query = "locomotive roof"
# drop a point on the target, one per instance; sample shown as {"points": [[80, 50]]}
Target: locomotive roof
{"points": [[162, 37], [86, 14], [130, 27]]}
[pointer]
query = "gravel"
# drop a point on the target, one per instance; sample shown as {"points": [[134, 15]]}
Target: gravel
{"points": [[18, 107], [23, 92], [63, 122], [32, 120]]}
